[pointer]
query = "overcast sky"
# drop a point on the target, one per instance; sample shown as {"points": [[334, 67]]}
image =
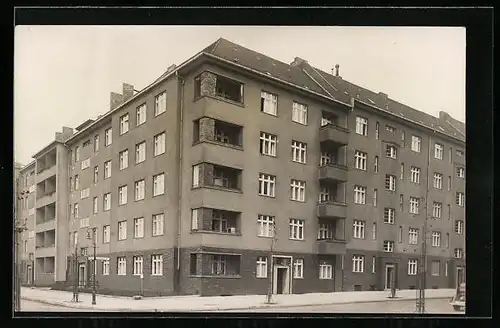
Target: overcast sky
{"points": [[63, 74]]}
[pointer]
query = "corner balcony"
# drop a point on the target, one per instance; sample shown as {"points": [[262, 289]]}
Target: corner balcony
{"points": [[331, 246], [333, 172], [334, 134], [46, 173], [332, 209]]}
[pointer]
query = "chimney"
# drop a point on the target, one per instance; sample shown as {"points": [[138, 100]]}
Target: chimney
{"points": [[337, 70], [171, 68], [128, 91], [297, 62], [443, 116], [58, 137], [383, 95], [116, 100], [66, 132]]}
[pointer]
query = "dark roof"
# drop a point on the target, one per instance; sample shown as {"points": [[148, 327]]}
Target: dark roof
{"points": [[231, 51]]}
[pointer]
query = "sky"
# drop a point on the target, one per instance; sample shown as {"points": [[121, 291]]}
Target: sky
{"points": [[63, 74]]}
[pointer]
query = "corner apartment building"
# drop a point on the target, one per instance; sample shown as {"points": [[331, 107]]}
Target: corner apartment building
{"points": [[234, 169]]}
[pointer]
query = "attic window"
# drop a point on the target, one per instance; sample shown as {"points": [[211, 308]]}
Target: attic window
{"points": [[229, 89], [346, 93], [440, 128], [371, 101], [258, 57], [401, 114], [268, 73]]}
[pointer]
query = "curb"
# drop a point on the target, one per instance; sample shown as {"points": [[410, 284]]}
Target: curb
{"points": [[277, 306]]}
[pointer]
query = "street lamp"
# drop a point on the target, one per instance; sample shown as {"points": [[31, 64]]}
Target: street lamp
{"points": [[271, 273], [19, 227], [91, 232]]}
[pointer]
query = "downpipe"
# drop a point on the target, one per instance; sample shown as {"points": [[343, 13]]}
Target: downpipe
{"points": [[179, 181]]}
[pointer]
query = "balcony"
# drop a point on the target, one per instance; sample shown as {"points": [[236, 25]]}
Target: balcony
{"points": [[332, 209], [393, 137], [216, 221], [334, 134], [45, 251], [46, 173], [333, 172], [46, 225], [46, 199], [331, 246]]}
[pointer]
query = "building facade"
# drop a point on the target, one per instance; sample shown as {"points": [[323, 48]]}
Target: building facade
{"points": [[234, 173]]}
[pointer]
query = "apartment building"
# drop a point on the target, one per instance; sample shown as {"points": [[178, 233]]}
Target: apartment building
{"points": [[234, 170]]}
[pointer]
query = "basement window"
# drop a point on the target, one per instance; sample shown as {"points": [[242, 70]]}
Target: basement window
{"points": [[229, 89]]}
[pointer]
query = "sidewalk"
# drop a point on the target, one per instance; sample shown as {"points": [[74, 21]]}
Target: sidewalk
{"points": [[215, 303]]}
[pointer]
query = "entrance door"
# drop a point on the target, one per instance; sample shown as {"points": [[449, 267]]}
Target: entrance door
{"points": [[281, 280], [460, 276], [29, 271], [82, 275], [389, 276]]}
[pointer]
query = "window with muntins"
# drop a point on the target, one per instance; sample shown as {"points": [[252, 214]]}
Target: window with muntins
{"points": [[299, 113], [269, 103], [296, 229], [362, 126], [360, 160], [268, 144], [359, 194]]}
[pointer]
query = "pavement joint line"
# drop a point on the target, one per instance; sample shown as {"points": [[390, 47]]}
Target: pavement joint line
{"points": [[86, 307]]}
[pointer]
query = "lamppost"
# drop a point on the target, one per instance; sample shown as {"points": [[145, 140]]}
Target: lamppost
{"points": [[19, 227], [270, 286], [91, 232]]}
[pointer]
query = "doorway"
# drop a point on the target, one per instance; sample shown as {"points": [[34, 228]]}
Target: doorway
{"points": [[29, 272], [389, 276], [82, 275], [460, 276], [281, 280]]}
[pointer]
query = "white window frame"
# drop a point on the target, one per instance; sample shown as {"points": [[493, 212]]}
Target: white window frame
{"points": [[460, 172], [84, 222], [140, 115], [107, 169], [105, 267], [159, 144], [159, 184], [359, 194], [390, 129], [267, 185], [124, 124], [140, 152], [375, 197], [389, 215], [377, 130], [416, 142], [122, 195], [266, 225], [261, 267], [437, 209], [414, 205], [106, 234], [108, 137], [85, 193], [196, 176], [123, 159], [106, 203], [96, 143], [358, 263], [95, 205], [412, 236], [460, 199], [157, 229], [362, 126], [139, 227], [121, 266], [374, 231], [270, 103], [459, 227], [298, 190], [438, 180], [436, 239], [433, 267], [391, 152], [390, 182], [77, 182], [96, 174], [298, 269], [325, 231], [85, 164], [415, 175], [268, 144], [139, 190], [458, 253], [122, 230], [157, 264], [438, 151], [299, 152], [358, 229], [412, 267], [388, 246], [325, 271], [299, 113], [325, 158], [138, 265], [360, 160], [160, 103], [296, 231]]}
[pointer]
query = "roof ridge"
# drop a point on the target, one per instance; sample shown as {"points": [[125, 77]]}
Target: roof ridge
{"points": [[319, 84], [314, 69], [217, 44]]}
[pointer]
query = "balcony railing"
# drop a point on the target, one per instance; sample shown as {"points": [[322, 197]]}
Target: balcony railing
{"points": [[334, 172], [333, 209], [334, 133], [331, 246]]}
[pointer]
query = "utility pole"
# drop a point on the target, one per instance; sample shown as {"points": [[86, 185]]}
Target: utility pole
{"points": [[19, 227], [270, 286], [75, 280], [91, 234]]}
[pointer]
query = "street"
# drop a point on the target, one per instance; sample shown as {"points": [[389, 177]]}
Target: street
{"points": [[30, 306]]}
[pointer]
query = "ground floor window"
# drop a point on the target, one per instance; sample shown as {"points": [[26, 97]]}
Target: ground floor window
{"points": [[222, 264], [298, 268], [261, 267], [325, 270]]}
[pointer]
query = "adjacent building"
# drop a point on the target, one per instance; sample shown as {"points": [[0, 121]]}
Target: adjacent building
{"points": [[234, 169]]}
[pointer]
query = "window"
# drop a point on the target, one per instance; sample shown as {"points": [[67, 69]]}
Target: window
{"points": [[77, 182], [70, 184], [375, 196], [160, 103], [374, 231], [106, 234], [108, 137], [436, 238], [261, 267], [402, 171], [400, 235], [159, 184], [299, 113], [435, 268], [96, 143], [123, 156], [377, 130], [76, 209], [358, 263], [139, 190], [458, 253], [450, 155], [446, 268], [299, 151], [107, 201], [85, 193], [229, 89], [460, 199], [361, 126], [107, 169], [460, 153], [390, 182], [438, 180], [390, 151], [124, 124], [438, 151], [388, 246], [325, 271], [374, 260], [122, 195], [156, 265], [325, 231], [105, 267], [159, 144], [325, 194], [414, 205], [415, 143], [77, 153], [449, 211], [360, 160], [86, 143], [412, 236], [459, 227], [94, 205], [266, 184], [96, 174], [390, 129], [141, 114], [401, 200], [403, 139], [269, 103], [158, 225], [359, 195], [85, 163], [358, 229], [122, 230], [449, 183], [140, 152], [460, 172], [375, 165], [415, 174], [389, 215], [139, 228], [412, 267], [266, 225], [218, 265], [298, 269], [194, 218], [121, 267], [437, 208], [298, 190], [137, 265], [296, 229], [196, 176]]}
